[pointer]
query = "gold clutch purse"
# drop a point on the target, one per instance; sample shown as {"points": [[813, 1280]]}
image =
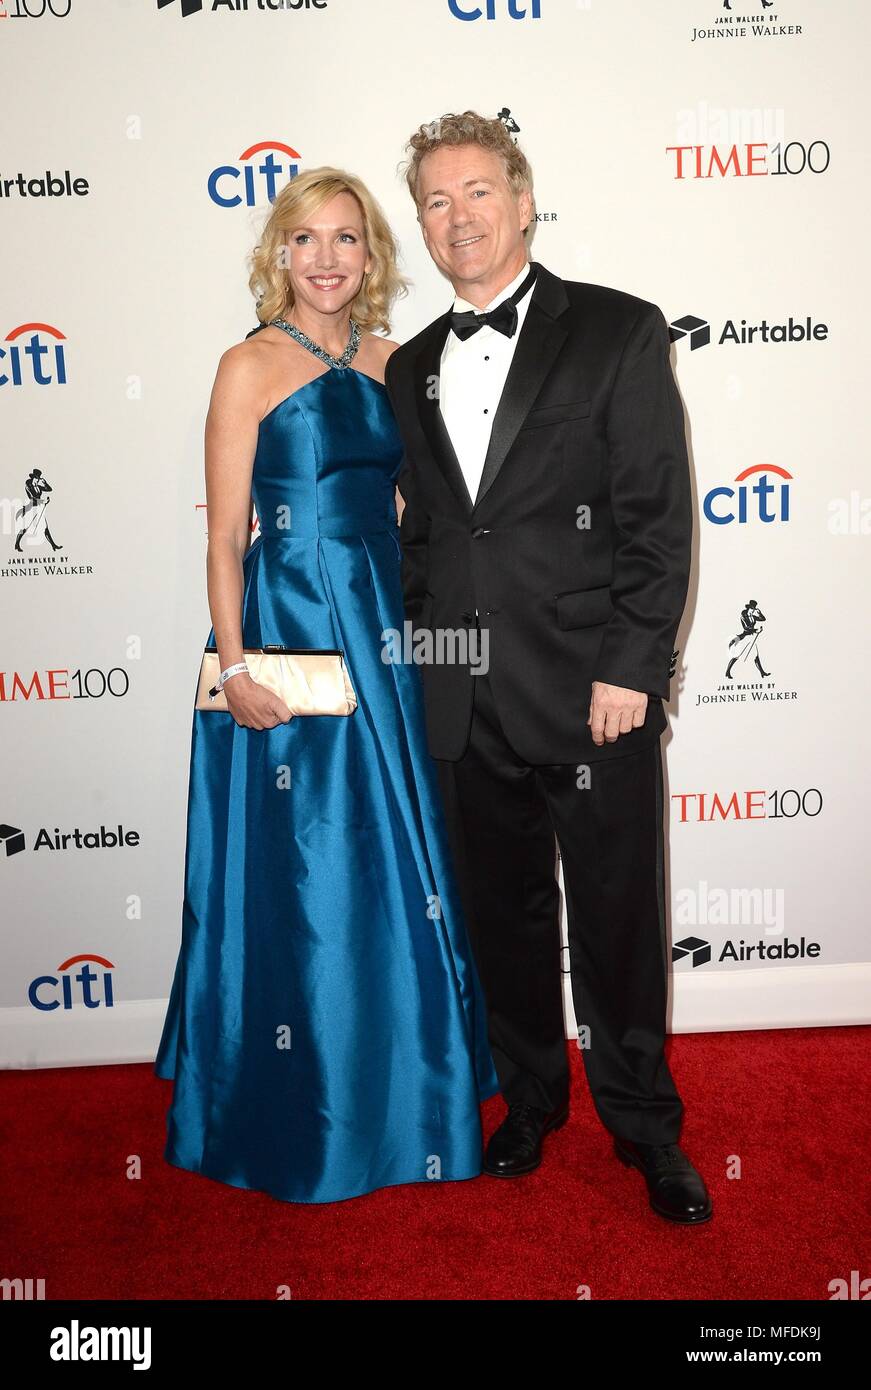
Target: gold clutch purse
{"points": [[309, 681]]}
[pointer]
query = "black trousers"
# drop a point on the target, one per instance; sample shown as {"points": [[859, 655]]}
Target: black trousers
{"points": [[505, 818]]}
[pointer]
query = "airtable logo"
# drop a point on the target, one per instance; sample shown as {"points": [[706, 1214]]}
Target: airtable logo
{"points": [[189, 7], [697, 330], [257, 179], [698, 951], [12, 839], [33, 361], [743, 334]]}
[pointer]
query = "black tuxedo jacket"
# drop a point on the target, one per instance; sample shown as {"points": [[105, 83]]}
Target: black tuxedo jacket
{"points": [[590, 417]]}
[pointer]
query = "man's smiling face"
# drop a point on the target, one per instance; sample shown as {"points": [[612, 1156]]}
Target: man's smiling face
{"points": [[471, 222]]}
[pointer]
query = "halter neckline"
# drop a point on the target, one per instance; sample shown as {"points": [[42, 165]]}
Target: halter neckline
{"points": [[305, 341]]}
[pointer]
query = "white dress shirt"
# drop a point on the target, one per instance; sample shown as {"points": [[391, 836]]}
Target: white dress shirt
{"points": [[472, 379]]}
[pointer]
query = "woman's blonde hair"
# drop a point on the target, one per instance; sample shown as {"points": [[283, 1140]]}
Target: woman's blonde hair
{"points": [[293, 205]]}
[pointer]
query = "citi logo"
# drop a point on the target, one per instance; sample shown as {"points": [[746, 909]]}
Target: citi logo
{"points": [[245, 182], [743, 334], [32, 360], [493, 9], [87, 987], [761, 500]]}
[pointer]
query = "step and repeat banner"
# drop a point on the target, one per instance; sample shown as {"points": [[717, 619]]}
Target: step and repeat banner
{"points": [[705, 155]]}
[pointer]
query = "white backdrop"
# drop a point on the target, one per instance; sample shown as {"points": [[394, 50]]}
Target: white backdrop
{"points": [[712, 162]]}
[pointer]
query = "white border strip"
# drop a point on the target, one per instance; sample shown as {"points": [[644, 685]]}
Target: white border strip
{"points": [[816, 996]]}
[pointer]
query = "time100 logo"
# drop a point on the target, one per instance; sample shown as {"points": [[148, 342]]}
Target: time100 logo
{"points": [[34, 9]]}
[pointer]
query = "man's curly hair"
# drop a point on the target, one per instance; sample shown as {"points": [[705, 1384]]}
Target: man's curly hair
{"points": [[470, 129]]}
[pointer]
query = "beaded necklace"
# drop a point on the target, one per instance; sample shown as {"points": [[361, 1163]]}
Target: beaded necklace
{"points": [[303, 338]]}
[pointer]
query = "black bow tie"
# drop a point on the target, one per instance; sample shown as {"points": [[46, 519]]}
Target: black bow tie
{"points": [[503, 318]]}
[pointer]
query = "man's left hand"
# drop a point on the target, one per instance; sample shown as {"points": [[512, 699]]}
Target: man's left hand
{"points": [[615, 711]]}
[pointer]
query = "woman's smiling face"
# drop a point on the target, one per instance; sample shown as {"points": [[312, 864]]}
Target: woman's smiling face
{"points": [[327, 258]]}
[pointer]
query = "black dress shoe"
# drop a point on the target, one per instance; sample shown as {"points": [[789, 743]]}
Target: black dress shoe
{"points": [[515, 1147], [676, 1190]]}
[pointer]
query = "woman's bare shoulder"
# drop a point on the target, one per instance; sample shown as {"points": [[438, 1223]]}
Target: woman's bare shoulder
{"points": [[243, 357], [386, 346], [261, 369], [379, 351], [239, 365], [241, 382]]}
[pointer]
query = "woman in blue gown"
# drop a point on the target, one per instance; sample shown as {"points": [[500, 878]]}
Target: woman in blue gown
{"points": [[326, 1030]]}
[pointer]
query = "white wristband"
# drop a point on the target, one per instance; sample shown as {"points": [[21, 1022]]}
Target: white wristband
{"points": [[231, 671]]}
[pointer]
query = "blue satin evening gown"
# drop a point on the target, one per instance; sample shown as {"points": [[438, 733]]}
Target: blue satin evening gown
{"points": [[326, 1029]]}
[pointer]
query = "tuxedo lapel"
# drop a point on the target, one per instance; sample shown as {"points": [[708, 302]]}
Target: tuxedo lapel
{"points": [[541, 338], [427, 372]]}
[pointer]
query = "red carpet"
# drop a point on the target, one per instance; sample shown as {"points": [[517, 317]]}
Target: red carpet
{"points": [[792, 1105]]}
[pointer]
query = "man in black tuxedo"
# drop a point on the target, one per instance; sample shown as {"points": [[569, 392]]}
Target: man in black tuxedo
{"points": [[548, 511]]}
